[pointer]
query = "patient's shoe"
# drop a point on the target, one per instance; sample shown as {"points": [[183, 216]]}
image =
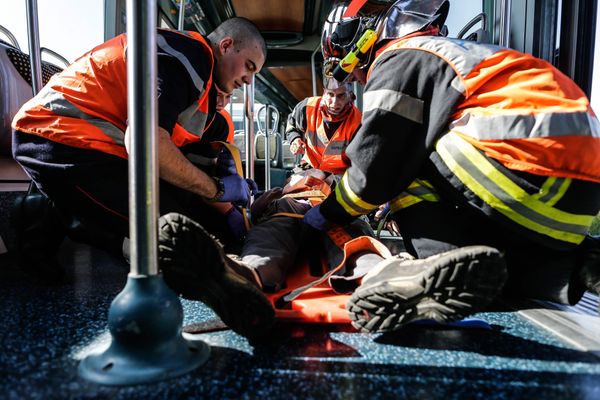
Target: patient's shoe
{"points": [[444, 288], [194, 265]]}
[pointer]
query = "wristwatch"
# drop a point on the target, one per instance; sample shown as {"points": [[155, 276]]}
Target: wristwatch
{"points": [[220, 190]]}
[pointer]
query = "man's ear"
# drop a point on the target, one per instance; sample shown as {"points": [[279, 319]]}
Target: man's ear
{"points": [[225, 44]]}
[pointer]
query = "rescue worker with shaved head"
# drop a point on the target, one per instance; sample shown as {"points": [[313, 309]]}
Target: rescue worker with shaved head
{"points": [[490, 159], [71, 139]]}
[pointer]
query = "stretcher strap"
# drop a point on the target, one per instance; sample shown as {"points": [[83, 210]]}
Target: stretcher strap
{"points": [[340, 237], [237, 159]]}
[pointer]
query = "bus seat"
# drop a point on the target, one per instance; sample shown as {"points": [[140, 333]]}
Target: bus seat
{"points": [[289, 160], [275, 150], [239, 140], [15, 88], [480, 35]]}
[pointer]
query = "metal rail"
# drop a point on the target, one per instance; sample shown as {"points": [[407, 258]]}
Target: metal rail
{"points": [[33, 34]]}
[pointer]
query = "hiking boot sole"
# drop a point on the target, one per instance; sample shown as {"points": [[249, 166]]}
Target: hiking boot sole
{"points": [[193, 263], [449, 287]]}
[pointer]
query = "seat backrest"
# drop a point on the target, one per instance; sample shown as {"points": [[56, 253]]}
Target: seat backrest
{"points": [[480, 35], [15, 88], [289, 160], [276, 143], [239, 140]]}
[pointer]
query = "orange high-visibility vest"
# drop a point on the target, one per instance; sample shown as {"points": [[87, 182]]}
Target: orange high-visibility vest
{"points": [[323, 153], [518, 109], [85, 106], [526, 115]]}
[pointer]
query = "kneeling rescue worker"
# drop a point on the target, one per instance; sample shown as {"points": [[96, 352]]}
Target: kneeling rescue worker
{"points": [[490, 159]]}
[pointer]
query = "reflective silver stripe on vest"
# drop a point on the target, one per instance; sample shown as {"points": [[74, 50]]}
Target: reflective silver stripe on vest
{"points": [[335, 148], [464, 55], [313, 139], [396, 102], [59, 105], [198, 82], [508, 204], [499, 127], [193, 120]]}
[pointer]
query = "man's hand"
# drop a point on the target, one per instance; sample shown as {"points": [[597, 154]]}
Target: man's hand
{"points": [[236, 190], [297, 146]]}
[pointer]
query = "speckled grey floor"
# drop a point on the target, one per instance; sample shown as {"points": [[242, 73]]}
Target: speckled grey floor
{"points": [[45, 331]]}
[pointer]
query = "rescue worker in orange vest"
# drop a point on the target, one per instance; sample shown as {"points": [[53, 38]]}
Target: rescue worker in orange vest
{"points": [[490, 159], [71, 139], [321, 127]]}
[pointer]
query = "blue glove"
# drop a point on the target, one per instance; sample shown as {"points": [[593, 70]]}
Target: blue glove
{"points": [[237, 190], [235, 222], [315, 219], [226, 164], [253, 186]]}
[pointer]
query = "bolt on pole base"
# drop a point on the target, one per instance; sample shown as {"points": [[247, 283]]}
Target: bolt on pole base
{"points": [[145, 322]]}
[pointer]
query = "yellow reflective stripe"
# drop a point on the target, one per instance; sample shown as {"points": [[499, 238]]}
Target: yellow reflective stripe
{"points": [[553, 190], [518, 193], [517, 196], [416, 192], [546, 187], [350, 201], [285, 214], [404, 201], [561, 192]]}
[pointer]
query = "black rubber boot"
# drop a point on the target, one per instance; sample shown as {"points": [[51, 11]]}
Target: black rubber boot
{"points": [[39, 234], [445, 287], [195, 266], [589, 274]]}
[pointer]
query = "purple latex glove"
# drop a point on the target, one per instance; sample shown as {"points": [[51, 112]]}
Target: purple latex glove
{"points": [[237, 190], [235, 222], [225, 164], [315, 219]]}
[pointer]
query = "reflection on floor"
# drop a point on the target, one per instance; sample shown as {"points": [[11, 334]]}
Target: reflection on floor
{"points": [[46, 330]]}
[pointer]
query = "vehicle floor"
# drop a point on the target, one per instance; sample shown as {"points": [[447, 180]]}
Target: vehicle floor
{"points": [[46, 330]]}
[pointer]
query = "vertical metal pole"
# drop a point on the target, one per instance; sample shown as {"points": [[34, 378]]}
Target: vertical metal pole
{"points": [[145, 319], [143, 120], [267, 149], [181, 21], [249, 127], [505, 23], [33, 34], [313, 70]]}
